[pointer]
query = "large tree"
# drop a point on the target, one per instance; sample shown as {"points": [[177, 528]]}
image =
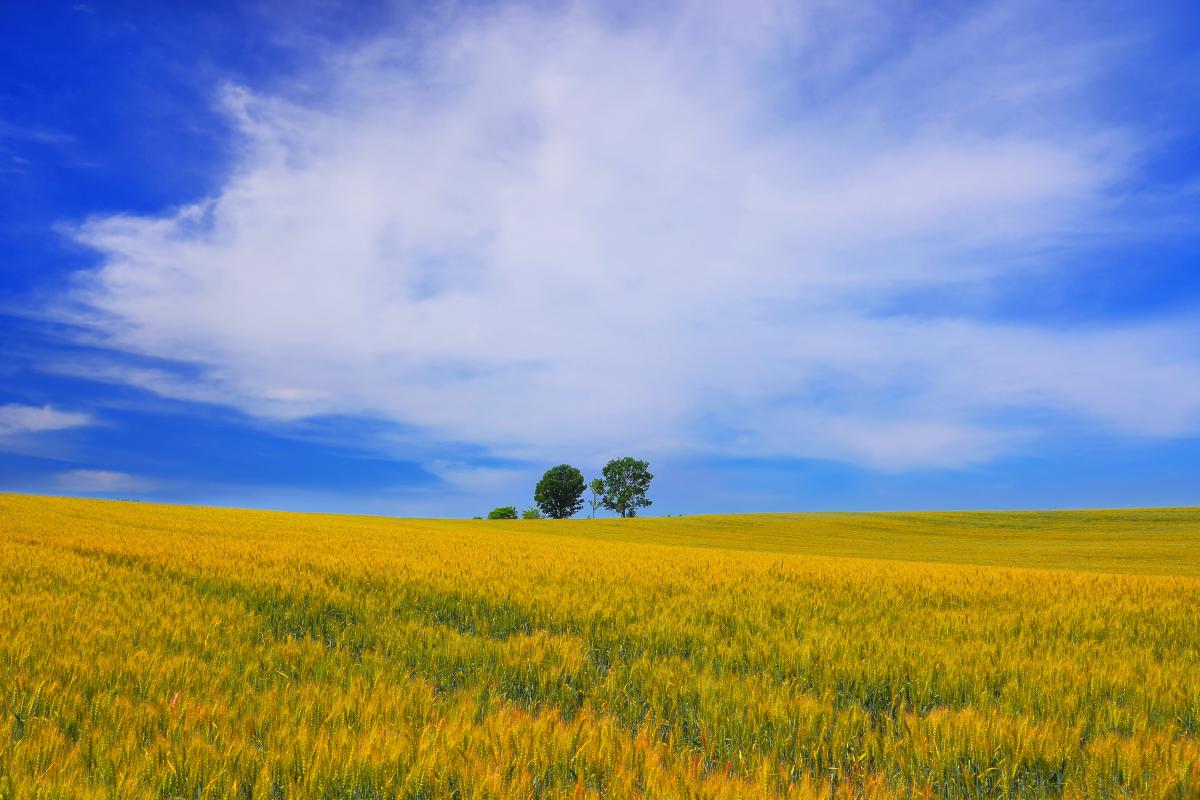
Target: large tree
{"points": [[559, 494], [626, 481]]}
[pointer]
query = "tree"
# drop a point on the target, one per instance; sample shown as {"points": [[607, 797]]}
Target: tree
{"points": [[559, 494], [625, 483], [531, 513], [596, 500], [503, 512]]}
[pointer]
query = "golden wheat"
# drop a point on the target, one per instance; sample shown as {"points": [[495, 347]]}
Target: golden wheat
{"points": [[156, 651]]}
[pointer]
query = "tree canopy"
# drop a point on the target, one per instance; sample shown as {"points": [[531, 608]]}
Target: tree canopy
{"points": [[503, 512], [596, 500], [559, 494], [625, 482]]}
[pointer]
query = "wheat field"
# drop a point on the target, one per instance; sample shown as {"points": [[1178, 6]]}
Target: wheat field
{"points": [[173, 652]]}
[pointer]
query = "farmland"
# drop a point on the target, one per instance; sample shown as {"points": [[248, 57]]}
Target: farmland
{"points": [[158, 652]]}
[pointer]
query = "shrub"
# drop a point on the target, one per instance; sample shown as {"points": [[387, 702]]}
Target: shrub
{"points": [[503, 512]]}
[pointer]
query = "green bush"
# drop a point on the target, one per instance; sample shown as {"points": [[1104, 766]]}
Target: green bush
{"points": [[503, 512]]}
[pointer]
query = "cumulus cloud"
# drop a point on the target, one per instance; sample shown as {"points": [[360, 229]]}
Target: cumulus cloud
{"points": [[101, 481], [16, 419], [565, 234]]}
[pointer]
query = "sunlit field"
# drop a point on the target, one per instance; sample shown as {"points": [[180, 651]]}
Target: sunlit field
{"points": [[158, 651]]}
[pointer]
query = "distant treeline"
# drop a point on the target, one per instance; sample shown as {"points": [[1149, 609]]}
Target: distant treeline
{"points": [[621, 488]]}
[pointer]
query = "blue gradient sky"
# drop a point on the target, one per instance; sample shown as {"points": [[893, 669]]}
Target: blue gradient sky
{"points": [[400, 258]]}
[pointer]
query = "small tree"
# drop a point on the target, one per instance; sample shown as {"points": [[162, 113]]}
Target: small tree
{"points": [[559, 494], [626, 481], [531, 513], [596, 499], [503, 512]]}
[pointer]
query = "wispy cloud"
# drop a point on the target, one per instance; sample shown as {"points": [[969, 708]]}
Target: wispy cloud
{"points": [[102, 481], [9, 130], [39, 430], [558, 233], [478, 479], [23, 419]]}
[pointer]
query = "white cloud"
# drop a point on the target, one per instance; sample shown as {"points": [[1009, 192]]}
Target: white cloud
{"points": [[475, 480], [102, 481], [467, 487], [562, 235], [16, 419]]}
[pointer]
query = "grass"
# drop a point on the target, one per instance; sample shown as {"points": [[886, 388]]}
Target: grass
{"points": [[160, 651]]}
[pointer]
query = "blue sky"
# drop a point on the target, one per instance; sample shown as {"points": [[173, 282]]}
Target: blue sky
{"points": [[401, 258]]}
